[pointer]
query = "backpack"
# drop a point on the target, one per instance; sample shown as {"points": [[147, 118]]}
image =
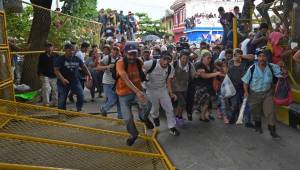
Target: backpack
{"points": [[154, 65], [175, 64], [139, 66], [252, 68]]}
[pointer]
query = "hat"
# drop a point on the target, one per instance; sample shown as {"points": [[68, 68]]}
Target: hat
{"points": [[166, 55], [68, 46], [258, 51], [130, 13], [131, 47]]}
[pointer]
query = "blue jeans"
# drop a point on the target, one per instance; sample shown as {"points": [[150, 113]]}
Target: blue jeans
{"points": [[111, 100], [144, 111], [63, 92]]}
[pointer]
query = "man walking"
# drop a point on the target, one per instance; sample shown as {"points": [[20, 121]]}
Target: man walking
{"points": [[159, 89], [129, 77], [258, 82], [66, 68], [47, 76]]}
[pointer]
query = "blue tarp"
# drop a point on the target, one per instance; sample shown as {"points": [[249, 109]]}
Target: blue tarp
{"points": [[207, 34]]}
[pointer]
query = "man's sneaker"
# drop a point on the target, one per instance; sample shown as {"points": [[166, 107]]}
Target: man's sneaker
{"points": [[102, 112], [148, 124], [130, 141], [174, 131], [219, 113], [249, 125], [156, 122], [179, 121]]}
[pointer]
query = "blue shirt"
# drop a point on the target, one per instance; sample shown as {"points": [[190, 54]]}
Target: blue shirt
{"points": [[69, 68], [262, 80]]}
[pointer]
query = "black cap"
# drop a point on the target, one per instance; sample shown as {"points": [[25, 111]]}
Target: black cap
{"points": [[68, 46]]}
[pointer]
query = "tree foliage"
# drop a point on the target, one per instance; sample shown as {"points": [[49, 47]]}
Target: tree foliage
{"points": [[18, 25], [148, 26]]}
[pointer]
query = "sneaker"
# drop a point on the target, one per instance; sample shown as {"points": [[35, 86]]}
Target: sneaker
{"points": [[120, 117], [130, 141], [179, 121], [148, 124], [156, 122], [219, 113], [249, 125], [102, 112], [174, 132], [92, 100]]}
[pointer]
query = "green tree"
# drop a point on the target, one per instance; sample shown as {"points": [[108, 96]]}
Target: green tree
{"points": [[18, 25], [148, 26]]}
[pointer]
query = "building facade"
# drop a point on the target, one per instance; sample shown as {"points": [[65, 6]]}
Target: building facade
{"points": [[200, 9], [168, 24]]}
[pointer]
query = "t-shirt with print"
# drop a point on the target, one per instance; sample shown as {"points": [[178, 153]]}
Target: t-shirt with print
{"points": [[157, 78], [133, 74], [107, 76], [69, 68]]}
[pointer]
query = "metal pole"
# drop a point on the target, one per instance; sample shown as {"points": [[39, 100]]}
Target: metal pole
{"points": [[1, 5], [235, 33]]}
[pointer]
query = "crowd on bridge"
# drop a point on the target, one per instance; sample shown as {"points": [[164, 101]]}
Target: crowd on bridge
{"points": [[174, 78]]}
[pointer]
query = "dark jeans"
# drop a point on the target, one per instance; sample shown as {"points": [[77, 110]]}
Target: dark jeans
{"points": [[63, 92]]}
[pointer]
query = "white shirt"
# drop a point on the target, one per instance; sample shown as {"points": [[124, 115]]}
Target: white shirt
{"points": [[107, 76], [222, 55], [244, 46], [81, 55], [157, 78]]}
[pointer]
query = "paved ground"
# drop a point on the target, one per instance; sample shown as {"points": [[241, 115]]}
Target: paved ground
{"points": [[215, 146]]}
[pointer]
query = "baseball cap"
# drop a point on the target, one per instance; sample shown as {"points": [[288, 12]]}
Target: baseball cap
{"points": [[131, 47], [68, 46], [258, 51]]}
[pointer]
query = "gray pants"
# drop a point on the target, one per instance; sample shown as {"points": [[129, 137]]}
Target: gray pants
{"points": [[262, 104], [161, 96]]}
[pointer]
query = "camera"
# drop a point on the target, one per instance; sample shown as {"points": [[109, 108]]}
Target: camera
{"points": [[182, 44]]}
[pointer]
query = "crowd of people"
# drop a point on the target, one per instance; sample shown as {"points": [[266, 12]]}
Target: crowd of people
{"points": [[171, 78], [116, 25]]}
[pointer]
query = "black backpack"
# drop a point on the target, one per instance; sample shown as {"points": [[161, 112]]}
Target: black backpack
{"points": [[139, 65], [154, 65]]}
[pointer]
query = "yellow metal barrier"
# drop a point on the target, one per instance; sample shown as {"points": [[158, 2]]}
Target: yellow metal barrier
{"points": [[39, 131], [235, 33]]}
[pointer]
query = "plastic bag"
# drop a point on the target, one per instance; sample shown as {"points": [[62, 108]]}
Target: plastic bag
{"points": [[283, 93], [241, 115], [227, 88]]}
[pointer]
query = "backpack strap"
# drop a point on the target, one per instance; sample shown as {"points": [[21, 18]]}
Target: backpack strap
{"points": [[252, 68], [175, 64], [152, 67], [169, 71], [109, 60], [275, 79]]}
